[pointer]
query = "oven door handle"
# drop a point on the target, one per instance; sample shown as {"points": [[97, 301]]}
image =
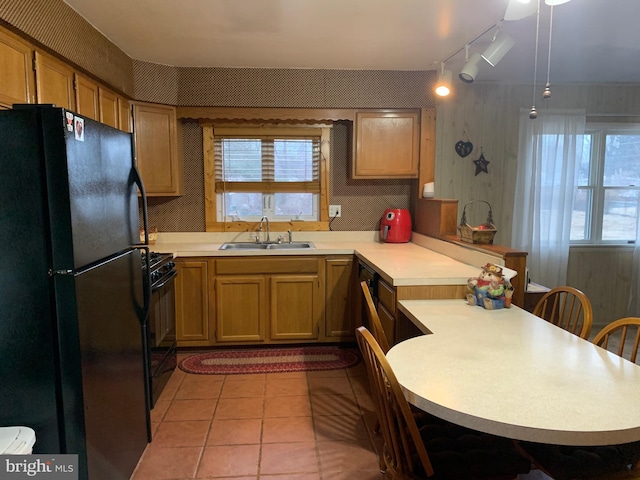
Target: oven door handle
{"points": [[165, 280]]}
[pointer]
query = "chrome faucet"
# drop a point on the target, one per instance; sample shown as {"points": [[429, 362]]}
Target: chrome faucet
{"points": [[260, 227]]}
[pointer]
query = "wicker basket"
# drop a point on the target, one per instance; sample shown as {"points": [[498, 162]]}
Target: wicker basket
{"points": [[482, 234]]}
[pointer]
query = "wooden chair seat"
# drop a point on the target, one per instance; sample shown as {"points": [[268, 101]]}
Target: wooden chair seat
{"points": [[567, 308], [437, 450]]}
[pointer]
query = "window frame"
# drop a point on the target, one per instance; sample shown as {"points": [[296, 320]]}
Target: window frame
{"points": [[211, 196], [594, 216]]}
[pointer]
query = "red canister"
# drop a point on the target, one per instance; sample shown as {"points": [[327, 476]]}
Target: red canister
{"points": [[395, 226]]}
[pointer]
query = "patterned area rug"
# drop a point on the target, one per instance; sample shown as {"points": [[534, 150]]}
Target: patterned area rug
{"points": [[269, 360]]}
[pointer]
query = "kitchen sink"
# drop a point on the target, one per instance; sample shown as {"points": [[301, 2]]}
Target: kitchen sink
{"points": [[266, 246]]}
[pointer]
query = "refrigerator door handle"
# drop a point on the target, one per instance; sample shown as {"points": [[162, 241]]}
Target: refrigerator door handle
{"points": [[143, 195]]}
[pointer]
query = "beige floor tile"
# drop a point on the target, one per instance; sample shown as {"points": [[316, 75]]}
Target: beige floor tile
{"points": [[160, 463], [181, 434], [334, 405], [289, 458], [235, 432], [160, 409], [295, 406], [287, 375], [243, 389], [229, 460], [231, 408], [293, 429], [181, 410], [285, 387], [360, 385]]}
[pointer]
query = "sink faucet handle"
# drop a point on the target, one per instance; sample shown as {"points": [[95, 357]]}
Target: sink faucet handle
{"points": [[255, 237], [290, 236]]}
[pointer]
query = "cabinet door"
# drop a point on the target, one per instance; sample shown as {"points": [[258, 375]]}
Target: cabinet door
{"points": [[87, 97], [54, 82], [16, 74], [388, 322], [192, 303], [157, 149], [241, 308], [387, 144], [108, 107], [296, 307], [124, 115], [340, 318]]}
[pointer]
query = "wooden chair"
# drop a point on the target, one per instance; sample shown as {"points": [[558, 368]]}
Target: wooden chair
{"points": [[438, 449], [618, 331], [374, 319], [567, 308]]}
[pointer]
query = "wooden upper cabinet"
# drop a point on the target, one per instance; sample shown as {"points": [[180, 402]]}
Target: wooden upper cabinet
{"points": [[108, 107], [87, 100], [157, 149], [54, 82], [386, 144], [16, 73], [124, 114]]}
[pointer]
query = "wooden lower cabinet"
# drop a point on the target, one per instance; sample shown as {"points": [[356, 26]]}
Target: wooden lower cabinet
{"points": [[193, 309], [241, 308], [269, 300], [387, 310], [296, 307], [341, 317]]}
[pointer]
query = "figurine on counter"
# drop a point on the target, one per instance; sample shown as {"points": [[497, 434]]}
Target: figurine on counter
{"points": [[491, 289]]}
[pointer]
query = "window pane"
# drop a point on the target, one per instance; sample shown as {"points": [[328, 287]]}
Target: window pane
{"points": [[242, 204], [622, 161], [293, 160], [620, 214], [294, 204], [580, 215], [242, 160], [585, 164]]}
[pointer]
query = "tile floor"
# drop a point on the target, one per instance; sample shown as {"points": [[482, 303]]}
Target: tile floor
{"points": [[282, 426]]}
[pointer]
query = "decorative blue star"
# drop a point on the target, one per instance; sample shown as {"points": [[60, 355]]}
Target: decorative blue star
{"points": [[481, 164]]}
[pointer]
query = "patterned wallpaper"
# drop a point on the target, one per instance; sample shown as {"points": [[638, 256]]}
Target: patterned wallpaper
{"points": [[54, 25]]}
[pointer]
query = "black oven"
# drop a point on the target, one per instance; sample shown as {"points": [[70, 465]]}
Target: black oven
{"points": [[162, 349]]}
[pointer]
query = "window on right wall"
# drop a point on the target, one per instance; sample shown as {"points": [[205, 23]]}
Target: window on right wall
{"points": [[605, 209]]}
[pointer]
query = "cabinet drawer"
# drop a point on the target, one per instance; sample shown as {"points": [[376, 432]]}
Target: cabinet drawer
{"points": [[257, 265], [387, 296]]}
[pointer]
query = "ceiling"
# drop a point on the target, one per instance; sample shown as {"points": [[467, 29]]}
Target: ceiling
{"points": [[594, 41]]}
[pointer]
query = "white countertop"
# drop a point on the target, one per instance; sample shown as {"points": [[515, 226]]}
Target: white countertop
{"points": [[509, 373], [401, 264]]}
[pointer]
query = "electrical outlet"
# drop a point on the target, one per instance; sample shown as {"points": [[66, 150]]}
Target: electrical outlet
{"points": [[335, 211]]}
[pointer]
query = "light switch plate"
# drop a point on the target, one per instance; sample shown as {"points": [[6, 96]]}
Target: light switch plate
{"points": [[335, 211]]}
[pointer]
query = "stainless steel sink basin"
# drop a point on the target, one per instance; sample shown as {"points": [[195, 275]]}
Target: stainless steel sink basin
{"points": [[266, 246], [288, 246]]}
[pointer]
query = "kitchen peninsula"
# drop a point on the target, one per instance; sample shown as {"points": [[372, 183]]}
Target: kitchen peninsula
{"points": [[227, 297]]}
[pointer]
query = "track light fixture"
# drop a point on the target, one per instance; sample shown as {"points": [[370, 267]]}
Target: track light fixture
{"points": [[470, 70], [443, 85], [502, 43]]}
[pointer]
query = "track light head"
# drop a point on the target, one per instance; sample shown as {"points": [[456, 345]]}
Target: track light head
{"points": [[498, 48], [443, 85], [469, 72]]}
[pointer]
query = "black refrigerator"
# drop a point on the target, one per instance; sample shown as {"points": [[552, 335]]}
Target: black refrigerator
{"points": [[73, 301]]}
